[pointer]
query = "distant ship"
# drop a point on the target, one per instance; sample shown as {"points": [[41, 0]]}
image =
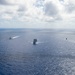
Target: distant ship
{"points": [[66, 38], [34, 41], [10, 38]]}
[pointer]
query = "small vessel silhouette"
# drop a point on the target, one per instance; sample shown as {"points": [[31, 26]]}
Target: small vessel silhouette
{"points": [[10, 38], [34, 41], [66, 38]]}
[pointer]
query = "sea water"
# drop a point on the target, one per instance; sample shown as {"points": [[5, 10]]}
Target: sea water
{"points": [[52, 55]]}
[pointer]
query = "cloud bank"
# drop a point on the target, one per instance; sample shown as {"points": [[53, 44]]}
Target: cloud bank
{"points": [[37, 10]]}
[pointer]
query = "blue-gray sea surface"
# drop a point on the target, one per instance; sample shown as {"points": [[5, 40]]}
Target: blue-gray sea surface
{"points": [[53, 54]]}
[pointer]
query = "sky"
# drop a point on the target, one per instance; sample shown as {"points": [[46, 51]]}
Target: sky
{"points": [[37, 14]]}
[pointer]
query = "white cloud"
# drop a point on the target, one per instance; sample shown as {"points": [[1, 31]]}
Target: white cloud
{"points": [[6, 16], [50, 9], [3, 2], [21, 8], [42, 10], [70, 7]]}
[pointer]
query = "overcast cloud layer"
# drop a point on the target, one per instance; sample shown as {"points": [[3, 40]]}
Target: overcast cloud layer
{"points": [[38, 10]]}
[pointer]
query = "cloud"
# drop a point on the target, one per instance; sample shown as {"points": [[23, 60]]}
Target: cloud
{"points": [[6, 16], [11, 2], [61, 0], [70, 7], [22, 8], [39, 3], [8, 12], [50, 9], [3, 2], [8, 2], [41, 10]]}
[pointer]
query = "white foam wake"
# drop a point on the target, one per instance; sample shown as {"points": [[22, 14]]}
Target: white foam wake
{"points": [[37, 42], [14, 37]]}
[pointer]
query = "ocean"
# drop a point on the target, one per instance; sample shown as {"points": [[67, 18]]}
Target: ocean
{"points": [[52, 55]]}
